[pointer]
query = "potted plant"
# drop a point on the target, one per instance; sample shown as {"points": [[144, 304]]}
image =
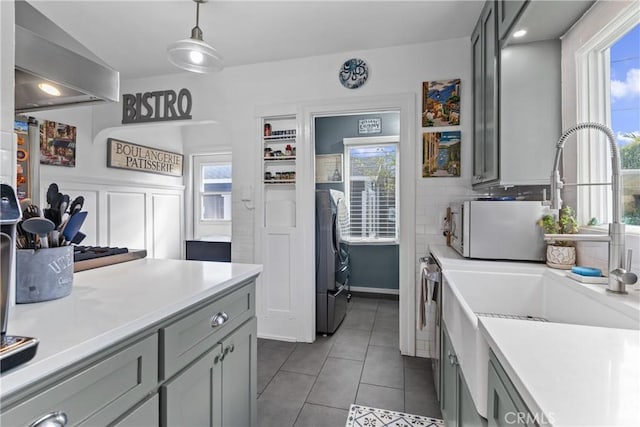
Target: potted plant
{"points": [[560, 253]]}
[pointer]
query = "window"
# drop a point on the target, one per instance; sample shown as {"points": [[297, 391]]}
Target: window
{"points": [[371, 178], [624, 69], [215, 192], [608, 77], [212, 184]]}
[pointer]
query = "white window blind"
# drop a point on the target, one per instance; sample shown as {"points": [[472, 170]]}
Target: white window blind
{"points": [[371, 174]]}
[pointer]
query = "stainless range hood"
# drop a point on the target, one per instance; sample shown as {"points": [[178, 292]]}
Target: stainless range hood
{"points": [[45, 53]]}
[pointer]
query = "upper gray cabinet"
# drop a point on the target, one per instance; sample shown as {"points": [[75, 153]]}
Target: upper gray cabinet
{"points": [[485, 103], [508, 12], [517, 90]]}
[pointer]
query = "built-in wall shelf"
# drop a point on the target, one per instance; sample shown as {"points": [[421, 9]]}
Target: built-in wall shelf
{"points": [[280, 159], [280, 311]]}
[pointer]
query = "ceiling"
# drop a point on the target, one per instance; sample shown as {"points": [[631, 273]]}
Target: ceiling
{"points": [[132, 35]]}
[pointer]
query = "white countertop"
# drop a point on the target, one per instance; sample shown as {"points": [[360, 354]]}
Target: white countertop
{"points": [[109, 304], [574, 375]]}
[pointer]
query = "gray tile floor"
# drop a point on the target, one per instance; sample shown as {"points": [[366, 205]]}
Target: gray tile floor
{"points": [[312, 385]]}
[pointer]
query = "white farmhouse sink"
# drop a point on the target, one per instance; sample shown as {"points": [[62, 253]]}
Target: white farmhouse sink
{"points": [[535, 293]]}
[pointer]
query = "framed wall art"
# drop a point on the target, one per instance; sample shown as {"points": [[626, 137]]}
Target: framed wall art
{"points": [[441, 154], [329, 168], [441, 103], [57, 144]]}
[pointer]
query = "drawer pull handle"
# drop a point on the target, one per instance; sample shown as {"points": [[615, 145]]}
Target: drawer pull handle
{"points": [[52, 419], [216, 359], [218, 319], [233, 347]]}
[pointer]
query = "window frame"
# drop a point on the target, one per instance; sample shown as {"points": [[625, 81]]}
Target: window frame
{"points": [[371, 141], [199, 163], [593, 104]]}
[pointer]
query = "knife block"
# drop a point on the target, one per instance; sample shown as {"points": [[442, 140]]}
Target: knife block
{"points": [[43, 274]]}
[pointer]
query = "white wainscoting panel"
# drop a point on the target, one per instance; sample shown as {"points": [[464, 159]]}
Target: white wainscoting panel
{"points": [[126, 214], [167, 234]]}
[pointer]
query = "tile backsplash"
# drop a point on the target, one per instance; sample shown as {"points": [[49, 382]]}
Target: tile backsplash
{"points": [[596, 254]]}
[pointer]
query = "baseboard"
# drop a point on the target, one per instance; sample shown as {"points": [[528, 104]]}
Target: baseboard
{"points": [[375, 290], [276, 337]]}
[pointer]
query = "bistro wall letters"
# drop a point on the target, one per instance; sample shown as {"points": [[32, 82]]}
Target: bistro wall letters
{"points": [[125, 155], [156, 106]]}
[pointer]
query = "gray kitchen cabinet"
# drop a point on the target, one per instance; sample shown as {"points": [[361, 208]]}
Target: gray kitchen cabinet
{"points": [[505, 406], [515, 126], [219, 388], [96, 395], [196, 367], [147, 414], [192, 398], [456, 403], [508, 12], [485, 90]]}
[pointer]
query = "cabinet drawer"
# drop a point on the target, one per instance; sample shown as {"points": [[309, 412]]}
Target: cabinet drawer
{"points": [[96, 395], [186, 339]]}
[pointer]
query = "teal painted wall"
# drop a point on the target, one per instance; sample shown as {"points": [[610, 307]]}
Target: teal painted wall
{"points": [[374, 266]]}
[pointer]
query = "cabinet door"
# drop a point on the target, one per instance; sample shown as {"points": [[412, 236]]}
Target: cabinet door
{"points": [[478, 101], [485, 93], [193, 397], [508, 12], [145, 415], [449, 378], [490, 75], [467, 414], [502, 410], [239, 377]]}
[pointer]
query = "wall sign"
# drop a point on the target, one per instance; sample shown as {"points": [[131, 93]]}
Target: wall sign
{"points": [[125, 155], [367, 126], [157, 106]]}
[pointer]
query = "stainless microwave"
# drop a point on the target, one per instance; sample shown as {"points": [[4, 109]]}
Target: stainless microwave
{"points": [[505, 230]]}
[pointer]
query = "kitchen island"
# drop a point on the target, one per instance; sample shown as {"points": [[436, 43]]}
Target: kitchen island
{"points": [[128, 340]]}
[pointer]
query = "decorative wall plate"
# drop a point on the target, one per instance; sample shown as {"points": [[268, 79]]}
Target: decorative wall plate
{"points": [[353, 73]]}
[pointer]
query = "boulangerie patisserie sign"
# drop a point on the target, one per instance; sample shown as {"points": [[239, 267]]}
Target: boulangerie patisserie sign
{"points": [[126, 155]]}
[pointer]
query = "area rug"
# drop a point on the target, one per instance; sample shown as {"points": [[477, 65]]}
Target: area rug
{"points": [[364, 416]]}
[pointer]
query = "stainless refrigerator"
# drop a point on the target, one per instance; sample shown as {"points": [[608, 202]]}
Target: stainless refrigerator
{"points": [[332, 260]]}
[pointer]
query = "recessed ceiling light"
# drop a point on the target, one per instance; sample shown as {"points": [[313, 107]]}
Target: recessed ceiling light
{"points": [[50, 89], [519, 33]]}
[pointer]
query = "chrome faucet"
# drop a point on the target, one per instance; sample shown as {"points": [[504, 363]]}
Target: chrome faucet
{"points": [[620, 274]]}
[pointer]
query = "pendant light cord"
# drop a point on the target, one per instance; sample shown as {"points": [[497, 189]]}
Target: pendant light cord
{"points": [[198, 14]]}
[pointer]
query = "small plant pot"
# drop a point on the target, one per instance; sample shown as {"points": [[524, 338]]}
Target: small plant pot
{"points": [[562, 257]]}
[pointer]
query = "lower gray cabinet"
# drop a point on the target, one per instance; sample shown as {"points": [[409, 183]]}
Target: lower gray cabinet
{"points": [[145, 415], [96, 395], [505, 406], [219, 388], [456, 402]]}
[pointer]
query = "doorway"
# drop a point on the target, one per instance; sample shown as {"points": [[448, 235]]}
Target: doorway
{"points": [[404, 106]]}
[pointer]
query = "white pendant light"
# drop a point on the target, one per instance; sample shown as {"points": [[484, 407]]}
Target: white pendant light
{"points": [[194, 54]]}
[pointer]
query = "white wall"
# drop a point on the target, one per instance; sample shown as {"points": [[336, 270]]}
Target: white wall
{"points": [[7, 145]]}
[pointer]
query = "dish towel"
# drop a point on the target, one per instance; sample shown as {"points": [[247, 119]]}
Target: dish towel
{"points": [[426, 295], [422, 315]]}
